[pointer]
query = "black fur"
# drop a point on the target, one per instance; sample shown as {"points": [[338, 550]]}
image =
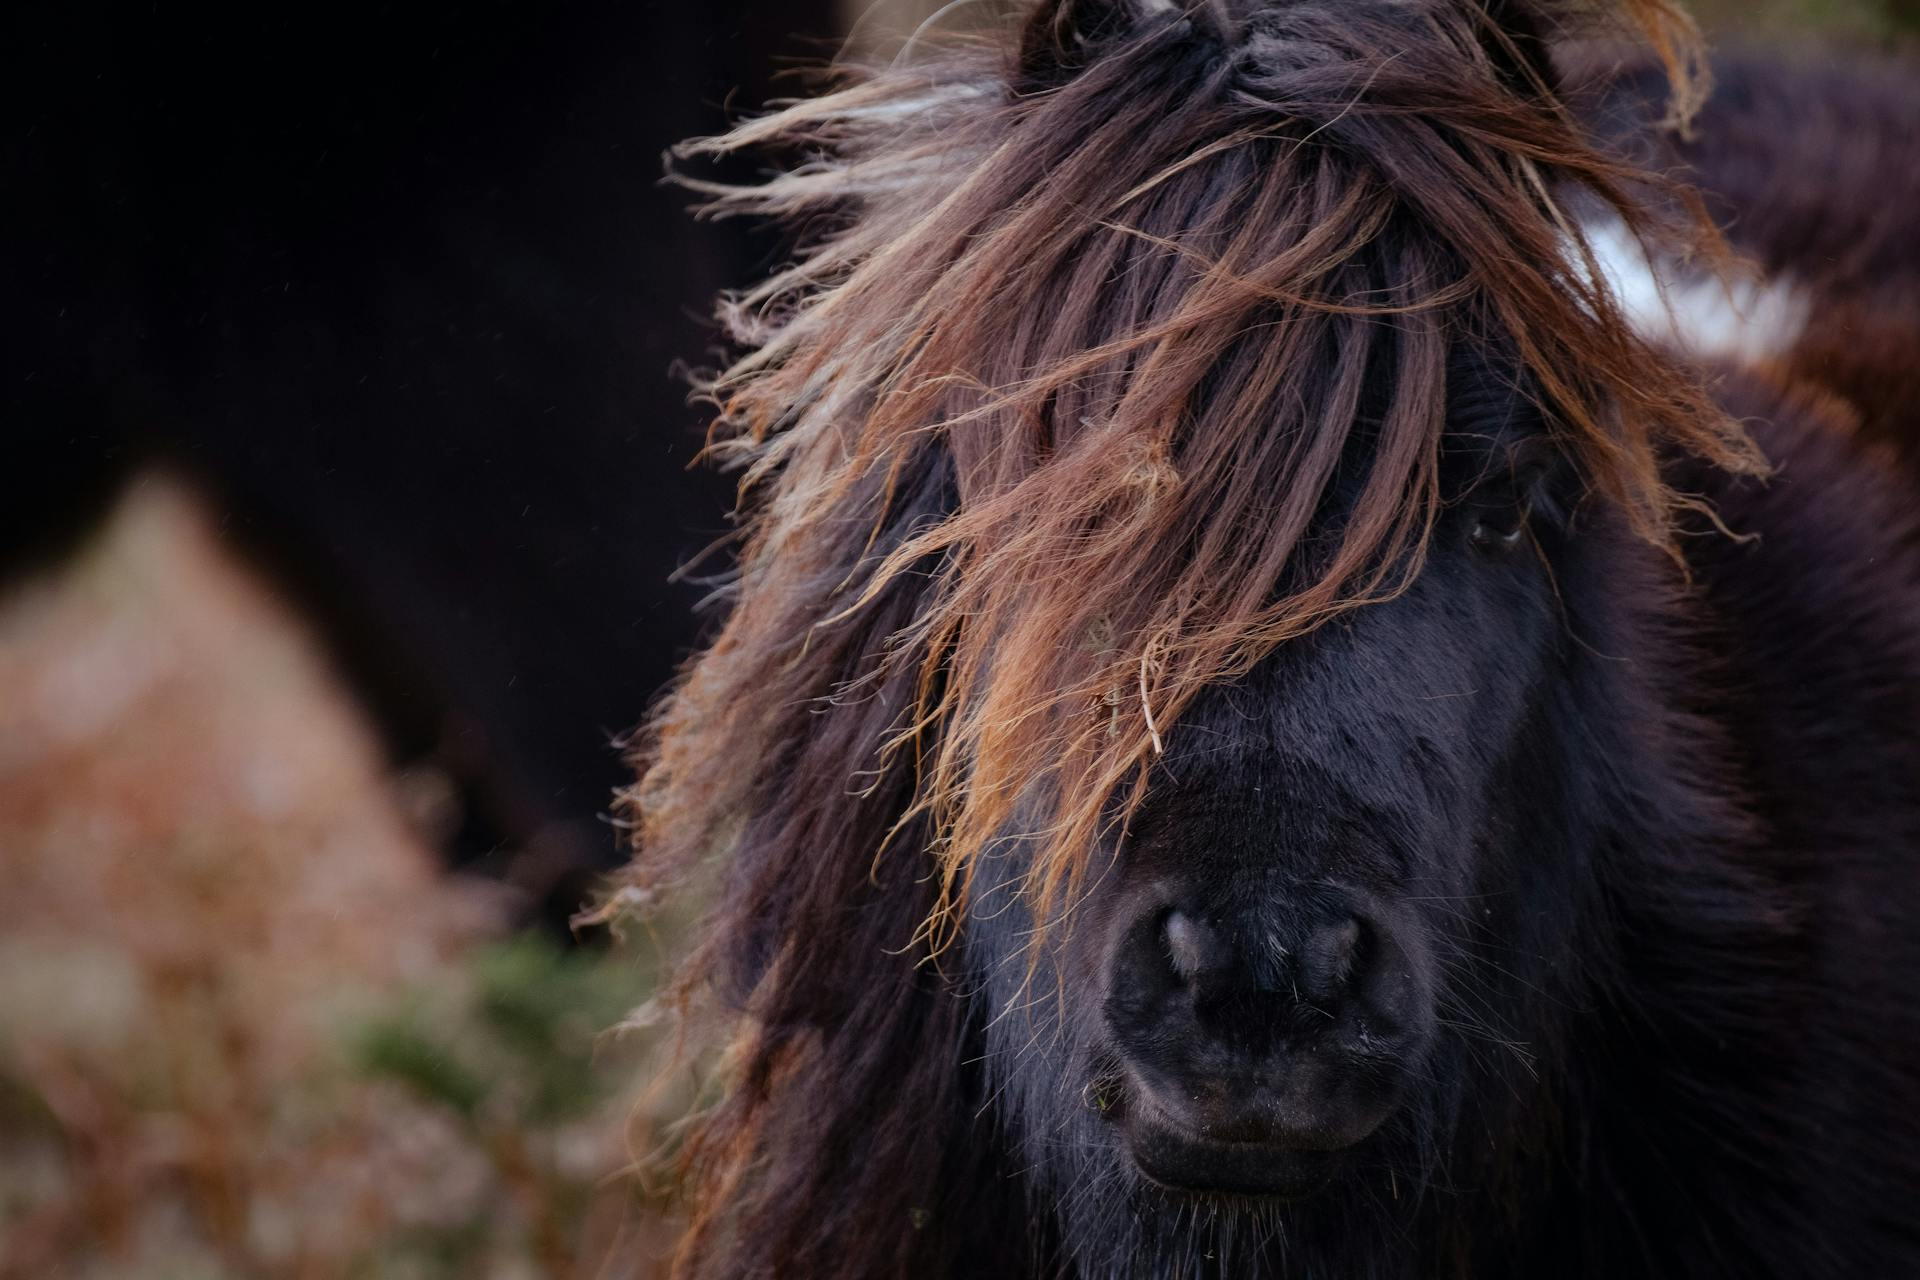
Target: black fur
{"points": [[1590, 850], [1662, 842]]}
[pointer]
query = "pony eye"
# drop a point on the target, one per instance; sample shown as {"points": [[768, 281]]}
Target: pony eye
{"points": [[1498, 532]]}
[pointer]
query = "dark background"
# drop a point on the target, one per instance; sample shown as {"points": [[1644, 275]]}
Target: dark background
{"points": [[399, 288]]}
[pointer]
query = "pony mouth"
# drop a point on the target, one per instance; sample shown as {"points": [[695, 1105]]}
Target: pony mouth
{"points": [[1194, 1164], [1248, 1151]]}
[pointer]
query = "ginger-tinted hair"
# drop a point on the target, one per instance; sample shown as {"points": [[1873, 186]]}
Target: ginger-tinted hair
{"points": [[1039, 434]]}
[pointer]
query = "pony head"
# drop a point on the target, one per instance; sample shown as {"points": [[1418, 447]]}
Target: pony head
{"points": [[1171, 469]]}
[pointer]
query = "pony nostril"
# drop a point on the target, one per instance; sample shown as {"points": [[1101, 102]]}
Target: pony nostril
{"points": [[1258, 1025], [1193, 948]]}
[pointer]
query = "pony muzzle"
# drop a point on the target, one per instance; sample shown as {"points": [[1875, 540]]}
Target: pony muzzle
{"points": [[1256, 1047]]}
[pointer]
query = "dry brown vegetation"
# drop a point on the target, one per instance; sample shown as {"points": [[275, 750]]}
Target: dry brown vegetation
{"points": [[247, 1028]]}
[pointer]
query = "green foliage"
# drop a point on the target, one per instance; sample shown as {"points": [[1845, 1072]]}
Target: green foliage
{"points": [[398, 1049], [549, 1009], [520, 1035], [512, 1043]]}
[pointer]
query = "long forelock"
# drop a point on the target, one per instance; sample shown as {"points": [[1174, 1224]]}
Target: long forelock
{"points": [[1141, 318]]}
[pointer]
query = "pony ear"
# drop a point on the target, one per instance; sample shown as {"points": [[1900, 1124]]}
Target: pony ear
{"points": [[1059, 37]]}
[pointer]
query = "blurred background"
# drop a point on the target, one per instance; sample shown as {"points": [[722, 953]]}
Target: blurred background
{"points": [[342, 471]]}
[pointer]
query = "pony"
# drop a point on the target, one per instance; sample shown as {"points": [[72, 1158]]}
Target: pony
{"points": [[1265, 721]]}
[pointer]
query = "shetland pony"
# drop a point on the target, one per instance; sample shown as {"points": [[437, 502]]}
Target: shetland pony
{"points": [[1262, 727]]}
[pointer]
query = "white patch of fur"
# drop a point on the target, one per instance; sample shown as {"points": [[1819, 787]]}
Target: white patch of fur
{"points": [[1747, 320]]}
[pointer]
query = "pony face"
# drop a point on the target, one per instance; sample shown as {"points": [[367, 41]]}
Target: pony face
{"points": [[1275, 991], [1158, 560]]}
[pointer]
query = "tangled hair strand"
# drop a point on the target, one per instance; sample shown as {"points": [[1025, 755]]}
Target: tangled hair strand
{"points": [[1037, 436]]}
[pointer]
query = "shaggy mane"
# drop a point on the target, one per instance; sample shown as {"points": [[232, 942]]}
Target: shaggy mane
{"points": [[1137, 310], [1040, 432]]}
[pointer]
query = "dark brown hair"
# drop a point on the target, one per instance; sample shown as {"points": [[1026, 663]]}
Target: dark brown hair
{"points": [[1036, 435]]}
